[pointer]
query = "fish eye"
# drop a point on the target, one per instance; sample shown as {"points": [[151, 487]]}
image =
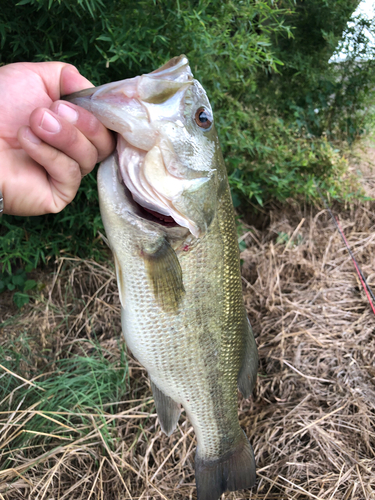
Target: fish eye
{"points": [[203, 118]]}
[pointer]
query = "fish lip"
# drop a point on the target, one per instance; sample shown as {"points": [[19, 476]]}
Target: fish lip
{"points": [[174, 65], [139, 210], [176, 70]]}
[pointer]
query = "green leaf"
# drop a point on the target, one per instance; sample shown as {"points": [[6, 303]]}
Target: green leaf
{"points": [[20, 299], [242, 245], [236, 200], [19, 280], [29, 285]]}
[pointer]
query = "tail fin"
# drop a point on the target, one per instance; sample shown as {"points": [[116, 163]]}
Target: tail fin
{"points": [[233, 471]]}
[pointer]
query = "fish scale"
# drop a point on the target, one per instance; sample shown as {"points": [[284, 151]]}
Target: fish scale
{"points": [[212, 285], [180, 288]]}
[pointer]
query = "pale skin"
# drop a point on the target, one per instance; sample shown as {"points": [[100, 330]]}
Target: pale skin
{"points": [[46, 145]]}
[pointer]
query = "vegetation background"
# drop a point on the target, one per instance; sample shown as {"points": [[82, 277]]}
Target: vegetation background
{"points": [[76, 413], [285, 115]]}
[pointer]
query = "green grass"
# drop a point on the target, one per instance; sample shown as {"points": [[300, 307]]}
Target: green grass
{"points": [[59, 405]]}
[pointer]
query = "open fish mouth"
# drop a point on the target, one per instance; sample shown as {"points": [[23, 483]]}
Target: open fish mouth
{"points": [[131, 171], [159, 156], [146, 213], [152, 186], [142, 207]]}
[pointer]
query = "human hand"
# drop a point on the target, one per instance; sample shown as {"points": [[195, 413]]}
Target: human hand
{"points": [[46, 145]]}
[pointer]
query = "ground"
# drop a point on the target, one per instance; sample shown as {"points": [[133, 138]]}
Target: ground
{"points": [[79, 421]]}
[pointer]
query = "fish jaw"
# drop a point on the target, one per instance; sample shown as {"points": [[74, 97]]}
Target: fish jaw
{"points": [[160, 148], [130, 106]]}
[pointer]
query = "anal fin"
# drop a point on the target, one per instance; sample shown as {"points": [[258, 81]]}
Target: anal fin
{"points": [[233, 471], [248, 372], [168, 410]]}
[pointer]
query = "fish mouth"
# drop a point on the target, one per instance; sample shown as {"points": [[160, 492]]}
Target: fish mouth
{"points": [[148, 113], [155, 217], [162, 219], [150, 213], [153, 187]]}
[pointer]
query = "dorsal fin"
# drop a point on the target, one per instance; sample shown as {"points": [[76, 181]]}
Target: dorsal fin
{"points": [[248, 372]]}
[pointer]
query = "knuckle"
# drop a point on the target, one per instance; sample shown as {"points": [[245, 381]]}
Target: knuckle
{"points": [[81, 149], [91, 159], [100, 137], [73, 171], [54, 155], [93, 127], [70, 168], [108, 148], [72, 137], [56, 206]]}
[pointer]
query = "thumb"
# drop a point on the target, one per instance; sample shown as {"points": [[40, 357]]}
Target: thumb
{"points": [[72, 81]]}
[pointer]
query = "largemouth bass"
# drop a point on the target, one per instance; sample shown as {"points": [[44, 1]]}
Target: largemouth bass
{"points": [[168, 215]]}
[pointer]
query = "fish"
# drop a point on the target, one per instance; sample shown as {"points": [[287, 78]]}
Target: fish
{"points": [[168, 215]]}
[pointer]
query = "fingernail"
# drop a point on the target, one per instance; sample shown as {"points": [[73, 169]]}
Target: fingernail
{"points": [[49, 123], [68, 113], [30, 136]]}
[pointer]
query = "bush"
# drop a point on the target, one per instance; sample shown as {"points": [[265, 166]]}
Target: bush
{"points": [[224, 42], [264, 65]]}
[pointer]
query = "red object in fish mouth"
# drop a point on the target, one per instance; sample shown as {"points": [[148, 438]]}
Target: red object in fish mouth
{"points": [[165, 218]]}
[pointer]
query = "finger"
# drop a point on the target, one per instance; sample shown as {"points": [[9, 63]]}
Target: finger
{"points": [[72, 81], [101, 138], [64, 173], [62, 135], [59, 78]]}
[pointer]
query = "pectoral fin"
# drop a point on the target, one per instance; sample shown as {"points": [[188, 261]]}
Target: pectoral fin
{"points": [[168, 410], [165, 275], [248, 372], [105, 239], [120, 281]]}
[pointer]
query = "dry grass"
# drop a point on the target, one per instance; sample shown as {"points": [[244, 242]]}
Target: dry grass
{"points": [[315, 401], [311, 419]]}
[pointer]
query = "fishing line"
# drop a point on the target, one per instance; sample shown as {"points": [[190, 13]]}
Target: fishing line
{"points": [[361, 276]]}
